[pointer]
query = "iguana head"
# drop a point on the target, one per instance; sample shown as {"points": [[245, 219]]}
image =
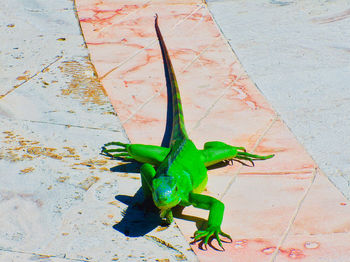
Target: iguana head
{"points": [[165, 192]]}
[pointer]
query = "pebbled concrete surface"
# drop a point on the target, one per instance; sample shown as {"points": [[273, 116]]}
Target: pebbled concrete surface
{"points": [[297, 53], [59, 200]]}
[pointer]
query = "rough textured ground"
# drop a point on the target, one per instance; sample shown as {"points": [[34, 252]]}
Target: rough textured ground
{"points": [[61, 200], [297, 53], [57, 193]]}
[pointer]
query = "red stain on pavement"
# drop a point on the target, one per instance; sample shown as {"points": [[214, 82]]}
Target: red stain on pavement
{"points": [[293, 253], [102, 16]]}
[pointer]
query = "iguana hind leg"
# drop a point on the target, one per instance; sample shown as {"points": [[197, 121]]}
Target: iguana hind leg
{"points": [[142, 153], [215, 152]]}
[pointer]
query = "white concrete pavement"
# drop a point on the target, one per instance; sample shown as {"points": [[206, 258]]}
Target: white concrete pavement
{"points": [[298, 54], [57, 194], [57, 198]]}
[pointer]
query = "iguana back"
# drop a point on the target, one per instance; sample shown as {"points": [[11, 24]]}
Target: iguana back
{"points": [[178, 125]]}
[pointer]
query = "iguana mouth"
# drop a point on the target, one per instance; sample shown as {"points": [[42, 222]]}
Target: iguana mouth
{"points": [[165, 194], [166, 202]]}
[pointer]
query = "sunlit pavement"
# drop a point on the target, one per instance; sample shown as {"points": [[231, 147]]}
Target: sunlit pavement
{"points": [[61, 200]]}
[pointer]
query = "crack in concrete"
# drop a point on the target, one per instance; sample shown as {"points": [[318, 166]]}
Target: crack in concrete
{"points": [[48, 11], [68, 125], [164, 243], [143, 105], [199, 55], [145, 5], [234, 177], [207, 112], [291, 221], [280, 172], [150, 44], [31, 77], [43, 255], [160, 91]]}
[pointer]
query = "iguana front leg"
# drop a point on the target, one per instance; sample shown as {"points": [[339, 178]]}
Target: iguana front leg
{"points": [[147, 174], [142, 153], [216, 213], [215, 152]]}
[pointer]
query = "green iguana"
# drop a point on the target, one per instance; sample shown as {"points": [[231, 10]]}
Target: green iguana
{"points": [[176, 175]]}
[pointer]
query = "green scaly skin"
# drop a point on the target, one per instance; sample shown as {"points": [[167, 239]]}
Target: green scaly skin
{"points": [[176, 175]]}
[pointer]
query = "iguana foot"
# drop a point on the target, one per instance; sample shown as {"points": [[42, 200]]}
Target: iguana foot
{"points": [[122, 151], [243, 155], [214, 152], [212, 231], [167, 215]]}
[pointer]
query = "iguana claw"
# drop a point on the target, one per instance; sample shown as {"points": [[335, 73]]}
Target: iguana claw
{"points": [[122, 152], [250, 157], [206, 234], [116, 144]]}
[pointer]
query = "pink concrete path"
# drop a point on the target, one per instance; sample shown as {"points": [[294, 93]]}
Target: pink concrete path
{"points": [[282, 209]]}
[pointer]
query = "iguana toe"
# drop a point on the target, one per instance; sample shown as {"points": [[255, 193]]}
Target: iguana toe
{"points": [[210, 232], [119, 152]]}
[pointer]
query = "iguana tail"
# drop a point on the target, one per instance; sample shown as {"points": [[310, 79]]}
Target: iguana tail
{"points": [[178, 125]]}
